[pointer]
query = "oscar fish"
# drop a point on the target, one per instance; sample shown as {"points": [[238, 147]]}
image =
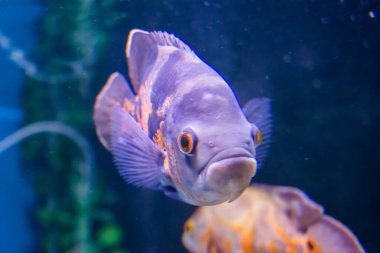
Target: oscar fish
{"points": [[179, 127], [267, 219]]}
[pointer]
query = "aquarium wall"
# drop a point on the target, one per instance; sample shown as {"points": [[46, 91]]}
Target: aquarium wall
{"points": [[316, 60]]}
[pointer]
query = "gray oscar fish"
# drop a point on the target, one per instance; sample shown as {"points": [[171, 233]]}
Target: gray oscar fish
{"points": [[179, 128]]}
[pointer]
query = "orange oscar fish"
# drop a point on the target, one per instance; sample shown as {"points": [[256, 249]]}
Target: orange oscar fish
{"points": [[267, 219]]}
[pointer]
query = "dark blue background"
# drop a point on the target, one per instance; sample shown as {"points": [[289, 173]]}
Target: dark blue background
{"points": [[16, 22]]}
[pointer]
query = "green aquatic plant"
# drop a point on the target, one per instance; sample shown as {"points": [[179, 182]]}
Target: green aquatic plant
{"points": [[72, 210], [85, 168], [108, 235]]}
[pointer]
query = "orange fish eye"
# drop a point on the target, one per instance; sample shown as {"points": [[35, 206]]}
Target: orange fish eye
{"points": [[186, 141]]}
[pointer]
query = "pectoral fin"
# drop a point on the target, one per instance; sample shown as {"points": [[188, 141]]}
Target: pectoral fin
{"points": [[138, 159], [258, 112]]}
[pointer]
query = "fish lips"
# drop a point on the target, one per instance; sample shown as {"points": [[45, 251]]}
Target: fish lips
{"points": [[228, 173]]}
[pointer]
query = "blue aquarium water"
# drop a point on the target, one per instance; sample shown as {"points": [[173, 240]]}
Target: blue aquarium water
{"points": [[318, 61], [16, 195]]}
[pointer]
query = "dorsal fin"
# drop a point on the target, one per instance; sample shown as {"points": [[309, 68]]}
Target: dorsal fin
{"points": [[115, 93], [166, 39], [142, 52]]}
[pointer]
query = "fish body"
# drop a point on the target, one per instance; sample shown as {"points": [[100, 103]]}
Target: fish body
{"points": [[267, 219], [179, 128]]}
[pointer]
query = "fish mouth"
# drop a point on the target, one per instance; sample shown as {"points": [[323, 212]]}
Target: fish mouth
{"points": [[226, 175], [230, 153]]}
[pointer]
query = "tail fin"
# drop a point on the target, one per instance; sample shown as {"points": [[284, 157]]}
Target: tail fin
{"points": [[323, 233], [115, 93]]}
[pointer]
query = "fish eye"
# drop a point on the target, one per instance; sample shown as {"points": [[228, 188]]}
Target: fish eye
{"points": [[257, 136], [186, 141]]}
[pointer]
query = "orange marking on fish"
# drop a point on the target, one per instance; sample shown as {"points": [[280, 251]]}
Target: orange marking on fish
{"points": [[272, 247], [146, 111], [247, 242], [159, 139], [220, 242], [189, 226], [312, 247], [217, 244], [166, 165], [145, 106], [212, 248], [244, 230], [291, 243], [233, 225], [166, 104], [129, 106], [261, 248], [159, 113], [228, 245], [206, 237]]}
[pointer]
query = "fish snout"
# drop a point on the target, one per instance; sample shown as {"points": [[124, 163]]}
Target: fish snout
{"points": [[231, 175], [242, 140]]}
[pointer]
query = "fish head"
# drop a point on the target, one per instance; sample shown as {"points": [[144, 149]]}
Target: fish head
{"points": [[214, 150]]}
